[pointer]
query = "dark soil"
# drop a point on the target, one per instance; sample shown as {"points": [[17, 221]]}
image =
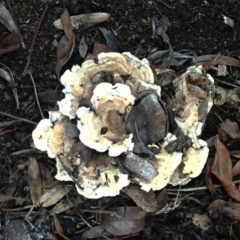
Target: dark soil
{"points": [[195, 25]]}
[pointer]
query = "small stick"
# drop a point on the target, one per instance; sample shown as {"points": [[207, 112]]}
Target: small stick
{"points": [[36, 95], [165, 4], [18, 118], [30, 50], [197, 188]]}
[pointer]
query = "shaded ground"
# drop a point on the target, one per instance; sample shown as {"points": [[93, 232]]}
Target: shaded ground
{"points": [[195, 25]]}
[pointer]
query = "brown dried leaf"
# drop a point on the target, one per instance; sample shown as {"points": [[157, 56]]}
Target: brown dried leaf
{"points": [[148, 119], [10, 43], [50, 96], [58, 228], [62, 206], [230, 129], [99, 48], [211, 60], [208, 180], [227, 209], [222, 169], [34, 181], [236, 169], [95, 232], [201, 221], [53, 195], [83, 47], [47, 179], [67, 43], [67, 26], [144, 200], [162, 199], [4, 198], [128, 220]]}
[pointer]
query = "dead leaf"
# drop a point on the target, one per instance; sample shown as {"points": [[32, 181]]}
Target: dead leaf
{"points": [[112, 39], [83, 47], [144, 200], [201, 221], [222, 169], [58, 228], [99, 48], [4, 125], [148, 119], [157, 55], [208, 180], [47, 179], [142, 167], [34, 181], [236, 169], [128, 220], [227, 209], [213, 59], [6, 19], [229, 129], [9, 78], [80, 149], [86, 20], [62, 206], [10, 43], [95, 232], [4, 198], [159, 28], [162, 199], [53, 195], [50, 96], [67, 43]]}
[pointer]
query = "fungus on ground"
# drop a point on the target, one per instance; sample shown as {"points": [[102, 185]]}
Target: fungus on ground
{"points": [[52, 138], [120, 115]]}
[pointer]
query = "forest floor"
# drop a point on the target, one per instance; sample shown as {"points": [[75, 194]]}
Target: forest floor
{"points": [[195, 26]]}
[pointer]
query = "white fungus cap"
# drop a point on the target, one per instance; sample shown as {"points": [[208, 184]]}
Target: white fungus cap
{"points": [[165, 163], [42, 136], [90, 126], [193, 163], [119, 95]]}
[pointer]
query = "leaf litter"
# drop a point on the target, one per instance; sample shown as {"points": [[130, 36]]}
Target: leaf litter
{"points": [[168, 59]]}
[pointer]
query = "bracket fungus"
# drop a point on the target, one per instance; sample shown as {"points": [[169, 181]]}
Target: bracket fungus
{"points": [[122, 127]]}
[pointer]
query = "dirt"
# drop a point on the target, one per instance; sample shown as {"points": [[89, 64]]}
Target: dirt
{"points": [[195, 25]]}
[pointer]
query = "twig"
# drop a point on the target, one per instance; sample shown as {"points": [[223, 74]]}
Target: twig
{"points": [[36, 95], [12, 84], [165, 4], [25, 152], [18, 118], [29, 212], [159, 12], [30, 50], [16, 24], [197, 188]]}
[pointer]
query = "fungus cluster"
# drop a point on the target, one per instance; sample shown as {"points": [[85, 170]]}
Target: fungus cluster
{"points": [[111, 128]]}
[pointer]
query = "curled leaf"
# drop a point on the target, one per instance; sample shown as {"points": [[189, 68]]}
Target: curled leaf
{"points": [[6, 19], [128, 220], [66, 45], [86, 20], [10, 43], [222, 169]]}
